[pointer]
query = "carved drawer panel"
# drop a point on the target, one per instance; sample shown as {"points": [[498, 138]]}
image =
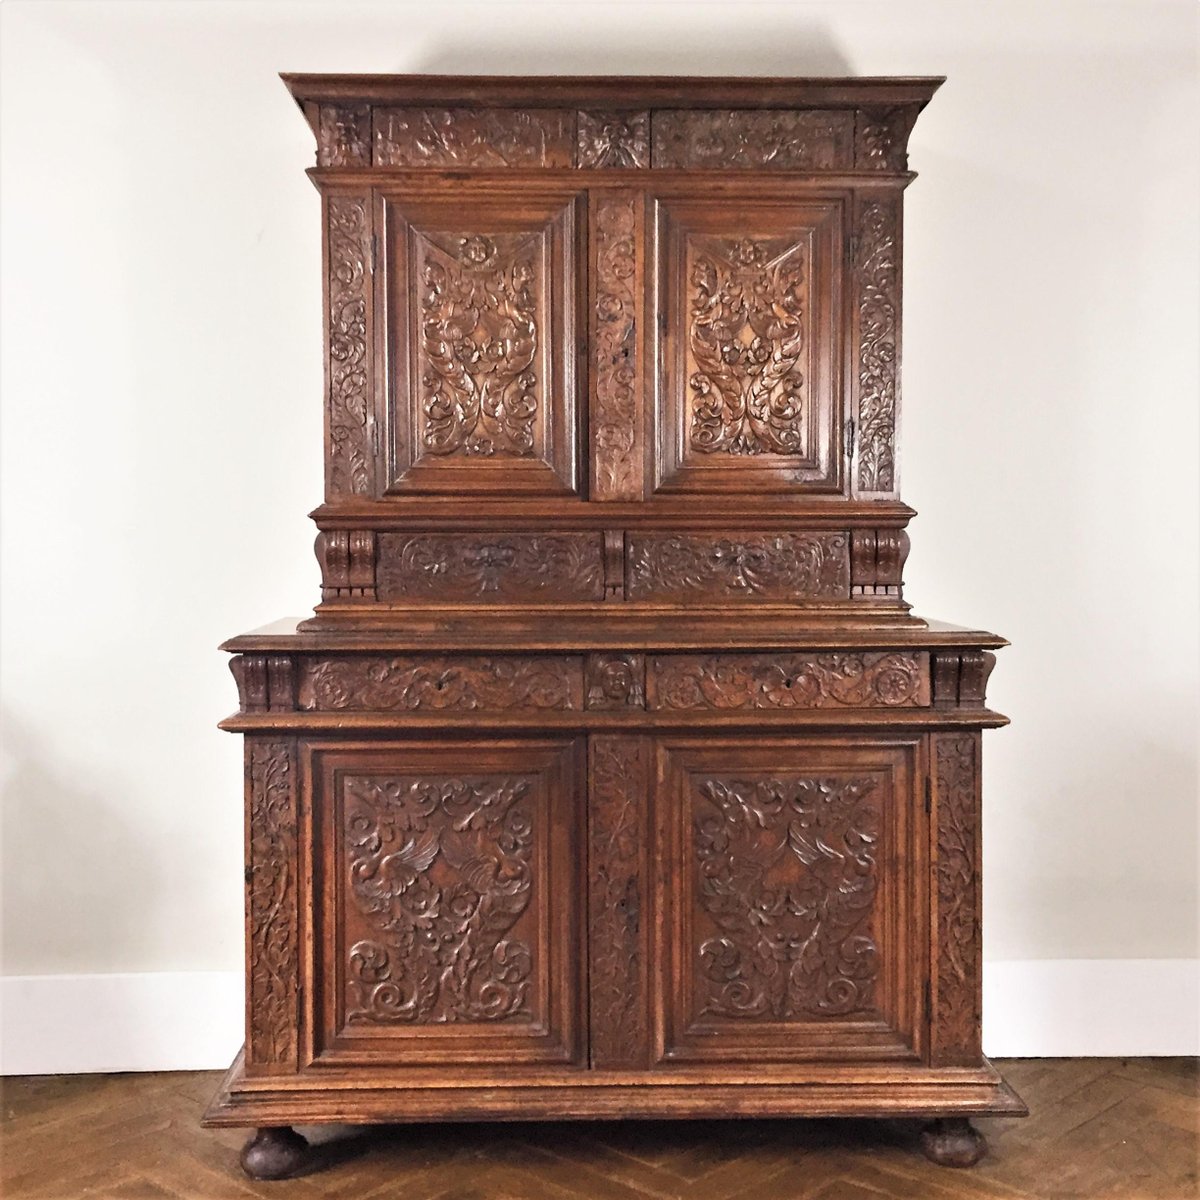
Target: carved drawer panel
{"points": [[441, 683], [446, 879], [481, 302], [781, 567], [750, 359], [688, 682], [501, 568], [794, 925]]}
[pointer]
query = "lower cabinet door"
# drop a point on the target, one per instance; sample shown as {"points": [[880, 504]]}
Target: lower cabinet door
{"points": [[447, 928], [791, 892]]}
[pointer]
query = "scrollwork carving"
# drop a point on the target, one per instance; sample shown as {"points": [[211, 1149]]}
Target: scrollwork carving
{"points": [[465, 683], [617, 420], [783, 567], [349, 390], [442, 871], [617, 787], [474, 137], [787, 876], [746, 338], [878, 281], [725, 681], [753, 139], [271, 907], [956, 1023], [480, 390], [500, 568]]}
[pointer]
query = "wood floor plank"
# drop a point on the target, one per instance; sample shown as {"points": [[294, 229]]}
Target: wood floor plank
{"points": [[1100, 1129]]}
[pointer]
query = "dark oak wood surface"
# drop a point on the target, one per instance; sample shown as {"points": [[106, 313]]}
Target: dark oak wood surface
{"points": [[613, 773]]}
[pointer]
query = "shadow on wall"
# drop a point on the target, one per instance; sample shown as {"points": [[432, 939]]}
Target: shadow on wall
{"points": [[76, 825], [815, 54]]}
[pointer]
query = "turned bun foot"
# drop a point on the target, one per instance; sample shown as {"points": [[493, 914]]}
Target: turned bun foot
{"points": [[274, 1153], [953, 1142]]}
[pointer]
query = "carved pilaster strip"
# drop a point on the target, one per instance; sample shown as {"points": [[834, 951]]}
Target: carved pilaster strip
{"points": [[272, 899], [250, 674], [613, 139], [616, 681], [350, 467], [344, 136], [618, 901], [617, 419], [877, 287], [956, 991]]}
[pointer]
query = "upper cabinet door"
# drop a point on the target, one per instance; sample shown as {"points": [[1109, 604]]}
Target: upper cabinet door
{"points": [[749, 362], [481, 305]]}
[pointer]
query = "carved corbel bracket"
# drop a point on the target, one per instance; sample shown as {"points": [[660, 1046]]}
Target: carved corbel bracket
{"points": [[881, 137], [960, 677], [265, 683], [877, 558], [347, 561]]}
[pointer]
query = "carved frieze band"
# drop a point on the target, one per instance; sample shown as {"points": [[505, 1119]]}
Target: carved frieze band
{"points": [[784, 567], [504, 568], [956, 990], [602, 681], [350, 135], [463, 683], [877, 281], [350, 418], [618, 785], [272, 881], [734, 681], [617, 419]]}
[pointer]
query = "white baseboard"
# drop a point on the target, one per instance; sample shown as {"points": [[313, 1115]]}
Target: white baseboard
{"points": [[192, 1020]]}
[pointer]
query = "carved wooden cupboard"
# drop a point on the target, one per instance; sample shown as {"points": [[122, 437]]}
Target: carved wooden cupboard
{"points": [[612, 775]]}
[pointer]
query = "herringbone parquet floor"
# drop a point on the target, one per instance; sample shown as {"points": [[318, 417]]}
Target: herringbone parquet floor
{"points": [[1100, 1129]]}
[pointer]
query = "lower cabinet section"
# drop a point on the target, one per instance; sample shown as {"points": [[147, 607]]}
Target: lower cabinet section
{"points": [[620, 901]]}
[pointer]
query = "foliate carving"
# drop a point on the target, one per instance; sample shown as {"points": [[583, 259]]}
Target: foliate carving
{"points": [[616, 681], [616, 805], [786, 873], [881, 138], [878, 282], [344, 136], [349, 467], [465, 683], [613, 139], [732, 681], [956, 1022], [754, 139], [474, 137], [441, 870], [746, 342], [271, 905], [769, 566], [479, 386], [617, 415], [500, 568]]}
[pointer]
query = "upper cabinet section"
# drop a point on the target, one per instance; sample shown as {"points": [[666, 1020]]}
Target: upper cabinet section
{"points": [[612, 290]]}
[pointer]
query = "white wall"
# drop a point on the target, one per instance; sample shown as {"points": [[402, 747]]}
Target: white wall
{"points": [[162, 423]]}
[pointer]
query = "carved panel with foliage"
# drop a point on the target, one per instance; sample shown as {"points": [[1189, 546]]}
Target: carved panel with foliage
{"points": [[481, 305], [449, 885], [749, 396]]}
